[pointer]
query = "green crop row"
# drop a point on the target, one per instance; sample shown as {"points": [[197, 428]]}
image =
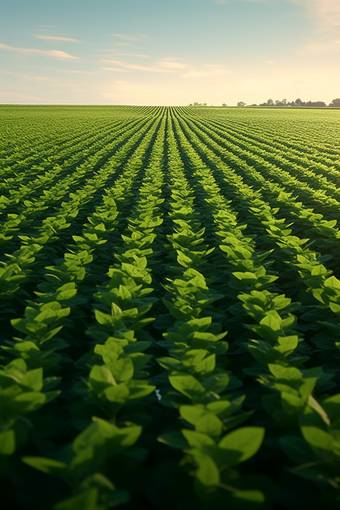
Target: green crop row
{"points": [[170, 303]]}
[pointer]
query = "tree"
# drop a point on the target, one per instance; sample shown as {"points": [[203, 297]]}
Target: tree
{"points": [[224, 104], [270, 102], [335, 103], [241, 103], [315, 103]]}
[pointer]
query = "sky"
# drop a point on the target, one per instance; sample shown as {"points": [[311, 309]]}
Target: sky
{"points": [[176, 52]]}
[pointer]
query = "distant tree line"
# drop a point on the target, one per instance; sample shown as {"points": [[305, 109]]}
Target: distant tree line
{"points": [[298, 103]]}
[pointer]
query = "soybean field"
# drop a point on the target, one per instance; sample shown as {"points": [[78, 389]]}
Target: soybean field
{"points": [[169, 308]]}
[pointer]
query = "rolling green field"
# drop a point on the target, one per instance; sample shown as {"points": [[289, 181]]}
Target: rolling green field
{"points": [[170, 308]]}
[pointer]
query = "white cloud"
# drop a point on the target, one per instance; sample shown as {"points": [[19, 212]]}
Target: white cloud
{"points": [[61, 55], [55, 38]]}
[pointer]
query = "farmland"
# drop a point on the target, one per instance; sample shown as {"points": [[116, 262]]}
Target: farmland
{"points": [[170, 308]]}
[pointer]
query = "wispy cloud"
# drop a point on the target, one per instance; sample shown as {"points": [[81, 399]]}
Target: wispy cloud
{"points": [[323, 47], [118, 69], [55, 38], [117, 53], [165, 65], [16, 97], [228, 2], [214, 66], [325, 13], [127, 37], [61, 55], [136, 67], [325, 16], [170, 63], [259, 1], [74, 72], [27, 76], [206, 73]]}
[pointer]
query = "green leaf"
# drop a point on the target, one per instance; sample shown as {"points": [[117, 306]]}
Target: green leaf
{"points": [[122, 369], [189, 386], [316, 406], [243, 442], [139, 389], [87, 500], [33, 379], [100, 378], [284, 373], [103, 318], [291, 404], [102, 435], [7, 442], [29, 402], [333, 283], [209, 425], [247, 499], [247, 276], [321, 442], [174, 439], [116, 394], [216, 383], [226, 408], [183, 260], [297, 449], [197, 439], [192, 413], [331, 405], [46, 465], [207, 473]]}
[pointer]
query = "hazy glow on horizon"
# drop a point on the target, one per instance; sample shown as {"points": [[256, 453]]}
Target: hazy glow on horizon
{"points": [[169, 53]]}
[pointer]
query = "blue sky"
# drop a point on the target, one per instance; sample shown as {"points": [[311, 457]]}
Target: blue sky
{"points": [[169, 52]]}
